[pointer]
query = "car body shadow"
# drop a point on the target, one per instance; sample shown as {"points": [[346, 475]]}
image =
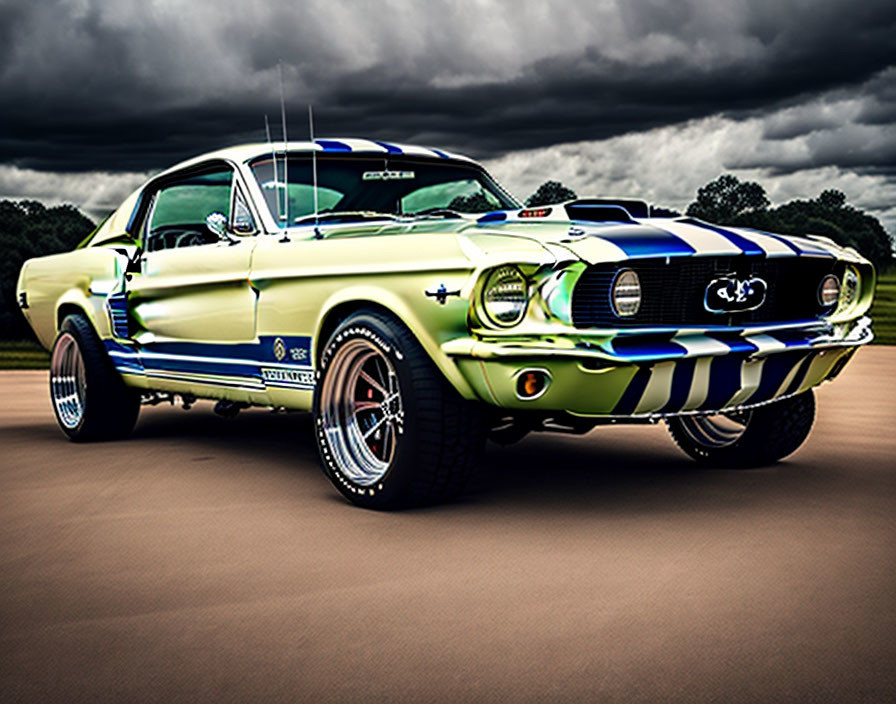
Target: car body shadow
{"points": [[609, 469]]}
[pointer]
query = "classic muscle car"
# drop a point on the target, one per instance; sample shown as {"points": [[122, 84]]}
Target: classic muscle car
{"points": [[415, 308]]}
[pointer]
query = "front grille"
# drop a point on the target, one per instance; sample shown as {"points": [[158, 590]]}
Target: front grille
{"points": [[673, 290]]}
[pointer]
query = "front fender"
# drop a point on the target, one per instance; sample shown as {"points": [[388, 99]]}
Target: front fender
{"points": [[431, 322]]}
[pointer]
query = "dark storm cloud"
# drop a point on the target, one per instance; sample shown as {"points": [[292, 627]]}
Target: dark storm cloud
{"points": [[853, 130], [136, 86]]}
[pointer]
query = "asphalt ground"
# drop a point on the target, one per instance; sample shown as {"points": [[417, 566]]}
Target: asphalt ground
{"points": [[210, 560]]}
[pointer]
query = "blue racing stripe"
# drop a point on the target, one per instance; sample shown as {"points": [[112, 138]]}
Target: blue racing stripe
{"points": [[391, 148], [122, 357], [296, 349], [747, 247], [272, 359], [646, 241], [497, 216], [634, 348], [737, 345], [682, 378], [724, 381], [800, 375], [196, 367], [633, 393], [439, 153], [774, 370], [783, 240], [801, 246], [331, 145], [249, 351]]}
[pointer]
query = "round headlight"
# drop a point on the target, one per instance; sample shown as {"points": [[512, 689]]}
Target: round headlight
{"points": [[829, 291], [505, 296], [850, 290], [626, 293]]}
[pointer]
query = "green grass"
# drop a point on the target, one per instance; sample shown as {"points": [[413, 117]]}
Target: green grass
{"points": [[883, 311], [23, 354]]}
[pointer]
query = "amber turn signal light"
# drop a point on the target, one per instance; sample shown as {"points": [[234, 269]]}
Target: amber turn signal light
{"points": [[531, 384]]}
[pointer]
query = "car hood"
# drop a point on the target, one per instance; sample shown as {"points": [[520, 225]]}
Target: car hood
{"points": [[648, 238]]}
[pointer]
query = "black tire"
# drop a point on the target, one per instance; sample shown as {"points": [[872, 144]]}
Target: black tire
{"points": [[89, 397], [431, 438], [769, 433]]}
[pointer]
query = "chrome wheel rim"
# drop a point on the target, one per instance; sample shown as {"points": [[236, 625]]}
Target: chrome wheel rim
{"points": [[68, 381], [718, 430], [363, 415]]}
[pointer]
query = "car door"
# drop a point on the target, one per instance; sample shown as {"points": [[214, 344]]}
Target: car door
{"points": [[190, 300]]}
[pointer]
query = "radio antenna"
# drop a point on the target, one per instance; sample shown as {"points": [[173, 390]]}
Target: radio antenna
{"points": [[267, 131], [317, 233], [285, 153]]}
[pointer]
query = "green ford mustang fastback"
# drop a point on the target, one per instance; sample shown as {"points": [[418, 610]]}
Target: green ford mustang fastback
{"points": [[415, 308]]}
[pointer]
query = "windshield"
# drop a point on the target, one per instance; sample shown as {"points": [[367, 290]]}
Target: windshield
{"points": [[395, 186]]}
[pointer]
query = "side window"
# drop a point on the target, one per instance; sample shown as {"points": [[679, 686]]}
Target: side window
{"points": [[179, 209], [243, 223]]}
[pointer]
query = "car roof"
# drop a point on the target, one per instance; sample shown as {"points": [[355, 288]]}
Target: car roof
{"points": [[338, 145]]}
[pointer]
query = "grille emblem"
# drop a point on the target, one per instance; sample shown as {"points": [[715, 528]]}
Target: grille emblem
{"points": [[730, 294]]}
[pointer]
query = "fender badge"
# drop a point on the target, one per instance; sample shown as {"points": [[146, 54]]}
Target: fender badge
{"points": [[441, 294], [279, 349]]}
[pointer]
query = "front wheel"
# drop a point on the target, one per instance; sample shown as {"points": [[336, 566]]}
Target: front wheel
{"points": [[89, 397], [390, 429], [748, 438]]}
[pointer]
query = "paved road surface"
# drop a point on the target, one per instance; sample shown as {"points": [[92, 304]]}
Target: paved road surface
{"points": [[209, 560]]}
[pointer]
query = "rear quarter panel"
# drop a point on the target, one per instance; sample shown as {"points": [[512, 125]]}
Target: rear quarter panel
{"points": [[81, 279]]}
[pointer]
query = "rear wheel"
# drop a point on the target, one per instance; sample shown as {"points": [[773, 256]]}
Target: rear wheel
{"points": [[390, 429], [89, 397], [749, 438]]}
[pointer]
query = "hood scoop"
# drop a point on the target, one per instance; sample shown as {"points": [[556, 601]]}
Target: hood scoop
{"points": [[606, 210]]}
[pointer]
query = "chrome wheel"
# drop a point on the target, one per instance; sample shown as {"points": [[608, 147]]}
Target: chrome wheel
{"points": [[362, 411], [68, 381], [719, 430]]}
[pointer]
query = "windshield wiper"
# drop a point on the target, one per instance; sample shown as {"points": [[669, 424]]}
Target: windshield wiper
{"points": [[344, 216], [365, 215], [436, 213]]}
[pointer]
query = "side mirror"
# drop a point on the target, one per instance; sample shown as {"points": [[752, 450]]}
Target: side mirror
{"points": [[217, 224]]}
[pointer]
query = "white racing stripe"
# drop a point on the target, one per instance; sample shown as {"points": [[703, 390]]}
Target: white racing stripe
{"points": [[701, 346], [233, 382], [702, 240], [149, 356], [416, 151], [750, 376], [699, 385], [818, 370], [772, 245], [658, 389], [787, 379], [765, 343], [362, 145]]}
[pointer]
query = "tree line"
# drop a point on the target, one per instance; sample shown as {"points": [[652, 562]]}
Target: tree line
{"points": [[30, 229]]}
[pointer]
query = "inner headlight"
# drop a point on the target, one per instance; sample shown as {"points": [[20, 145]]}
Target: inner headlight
{"points": [[626, 293], [505, 296], [829, 291]]}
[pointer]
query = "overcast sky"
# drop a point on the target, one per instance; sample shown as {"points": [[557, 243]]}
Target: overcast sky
{"points": [[648, 98]]}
